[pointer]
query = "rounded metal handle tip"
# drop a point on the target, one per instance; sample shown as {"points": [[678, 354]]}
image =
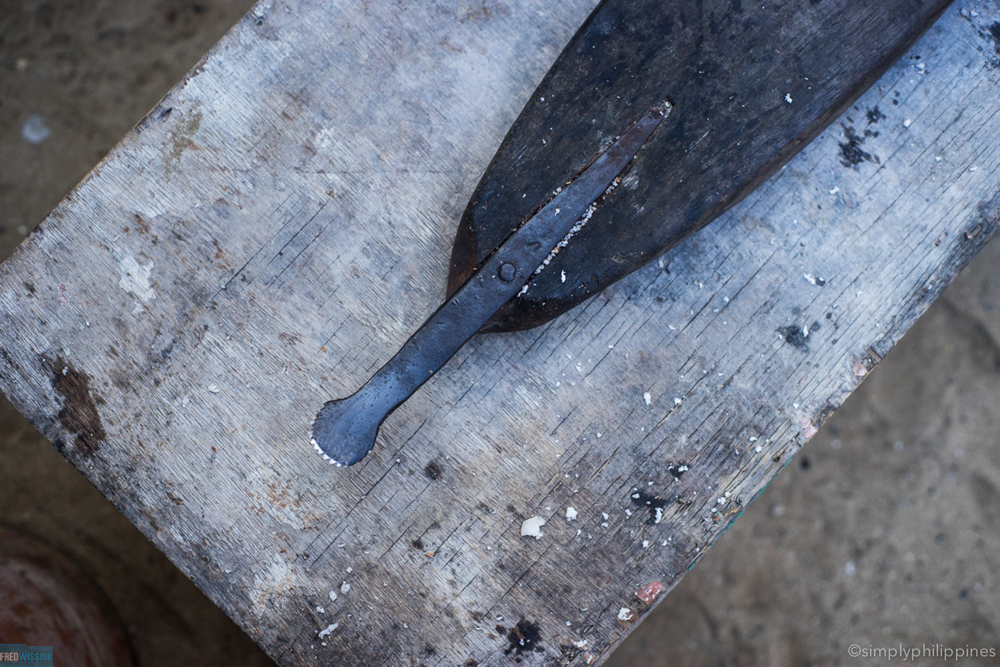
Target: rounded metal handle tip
{"points": [[344, 431]]}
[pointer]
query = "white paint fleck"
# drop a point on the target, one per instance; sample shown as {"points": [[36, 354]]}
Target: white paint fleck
{"points": [[648, 398], [134, 278], [345, 588], [333, 596], [532, 527], [814, 279], [213, 389], [907, 122], [834, 190], [562, 276], [625, 614], [325, 139], [34, 130], [571, 514], [328, 630], [320, 609], [659, 515], [788, 97], [677, 401], [271, 585]]}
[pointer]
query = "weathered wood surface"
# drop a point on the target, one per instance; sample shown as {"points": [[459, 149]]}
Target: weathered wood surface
{"points": [[277, 227]]}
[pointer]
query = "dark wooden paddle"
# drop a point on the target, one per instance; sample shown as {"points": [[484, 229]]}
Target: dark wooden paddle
{"points": [[747, 86], [751, 83]]}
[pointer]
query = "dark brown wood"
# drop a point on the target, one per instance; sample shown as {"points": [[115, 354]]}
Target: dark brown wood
{"points": [[751, 83]]}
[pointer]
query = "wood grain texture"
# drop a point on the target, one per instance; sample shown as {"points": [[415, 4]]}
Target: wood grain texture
{"points": [[280, 223]]}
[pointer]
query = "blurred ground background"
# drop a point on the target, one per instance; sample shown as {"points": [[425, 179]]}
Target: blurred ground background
{"points": [[885, 529]]}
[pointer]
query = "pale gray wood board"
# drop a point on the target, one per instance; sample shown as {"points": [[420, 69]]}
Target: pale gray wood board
{"points": [[275, 229]]}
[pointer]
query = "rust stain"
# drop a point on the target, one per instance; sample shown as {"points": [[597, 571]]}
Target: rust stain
{"points": [[650, 592], [79, 414], [183, 139]]}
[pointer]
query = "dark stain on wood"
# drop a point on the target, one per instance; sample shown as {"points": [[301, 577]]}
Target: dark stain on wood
{"points": [[851, 153], [678, 469], [79, 414], [798, 336], [994, 32], [650, 502], [433, 471], [874, 115], [524, 637]]}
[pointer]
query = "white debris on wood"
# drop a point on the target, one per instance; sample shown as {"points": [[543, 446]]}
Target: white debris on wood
{"points": [[625, 614], [333, 596], [345, 588], [328, 630], [532, 527], [813, 279], [571, 514], [648, 398], [788, 97], [134, 278]]}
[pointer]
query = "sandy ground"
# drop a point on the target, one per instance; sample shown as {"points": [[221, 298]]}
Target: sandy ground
{"points": [[884, 530]]}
